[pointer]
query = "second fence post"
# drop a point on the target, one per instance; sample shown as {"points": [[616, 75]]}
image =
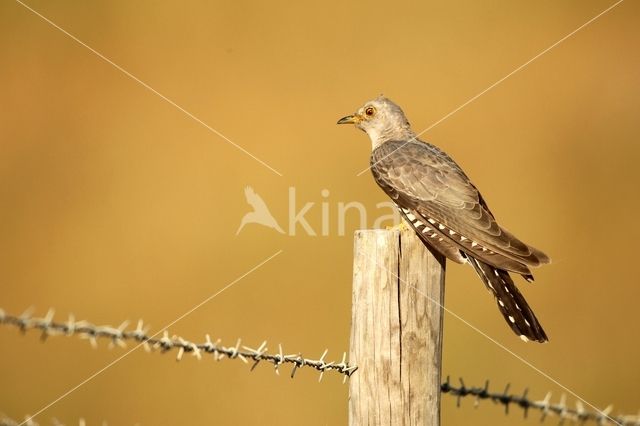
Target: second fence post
{"points": [[396, 330]]}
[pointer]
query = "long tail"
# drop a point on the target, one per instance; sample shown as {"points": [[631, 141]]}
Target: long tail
{"points": [[512, 305]]}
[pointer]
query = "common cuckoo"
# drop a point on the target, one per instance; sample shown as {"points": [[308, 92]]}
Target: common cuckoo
{"points": [[447, 211]]}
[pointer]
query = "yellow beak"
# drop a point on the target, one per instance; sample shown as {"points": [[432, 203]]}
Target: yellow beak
{"points": [[349, 119]]}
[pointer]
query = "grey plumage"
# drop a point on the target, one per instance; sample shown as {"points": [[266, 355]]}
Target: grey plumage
{"points": [[447, 211]]}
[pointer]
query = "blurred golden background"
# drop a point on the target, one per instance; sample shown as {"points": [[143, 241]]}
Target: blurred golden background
{"points": [[116, 205]]}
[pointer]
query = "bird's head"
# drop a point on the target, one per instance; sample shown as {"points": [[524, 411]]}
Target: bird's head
{"points": [[382, 120]]}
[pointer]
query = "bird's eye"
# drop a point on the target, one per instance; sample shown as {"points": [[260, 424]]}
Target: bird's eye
{"points": [[370, 111]]}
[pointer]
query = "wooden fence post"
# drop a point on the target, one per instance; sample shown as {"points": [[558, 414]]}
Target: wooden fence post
{"points": [[396, 330]]}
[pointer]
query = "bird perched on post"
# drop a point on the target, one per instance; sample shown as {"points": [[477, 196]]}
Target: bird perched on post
{"points": [[447, 211]]}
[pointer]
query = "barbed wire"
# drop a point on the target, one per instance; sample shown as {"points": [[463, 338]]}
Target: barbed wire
{"points": [[547, 409], [119, 336], [560, 409]]}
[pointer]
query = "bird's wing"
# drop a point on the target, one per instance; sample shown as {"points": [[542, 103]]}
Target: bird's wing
{"points": [[254, 199], [420, 177], [249, 193]]}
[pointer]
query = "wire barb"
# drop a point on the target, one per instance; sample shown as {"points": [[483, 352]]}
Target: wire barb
{"points": [[576, 415], [119, 336]]}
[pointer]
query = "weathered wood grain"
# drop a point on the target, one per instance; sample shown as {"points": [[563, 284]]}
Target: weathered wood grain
{"points": [[396, 331]]}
